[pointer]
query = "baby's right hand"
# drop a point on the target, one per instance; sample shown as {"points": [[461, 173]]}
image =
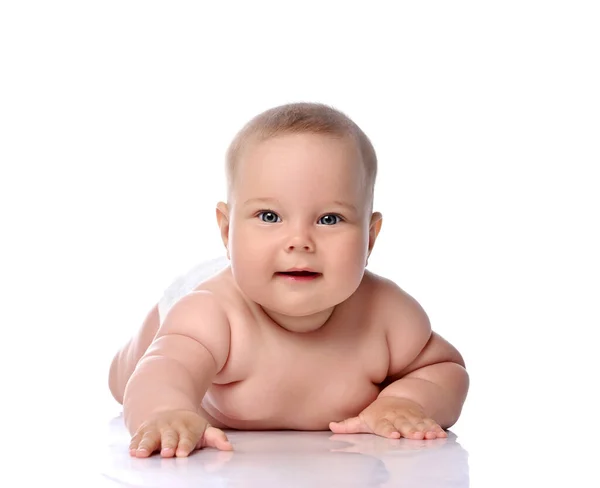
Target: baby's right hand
{"points": [[176, 433]]}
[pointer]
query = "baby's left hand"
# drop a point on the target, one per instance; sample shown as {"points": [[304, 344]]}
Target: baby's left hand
{"points": [[393, 418]]}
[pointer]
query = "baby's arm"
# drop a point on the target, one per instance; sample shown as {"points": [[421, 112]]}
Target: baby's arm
{"points": [[426, 383], [163, 395], [127, 358], [190, 348], [424, 368]]}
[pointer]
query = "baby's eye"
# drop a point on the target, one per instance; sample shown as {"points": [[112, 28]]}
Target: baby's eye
{"points": [[268, 217], [330, 219]]}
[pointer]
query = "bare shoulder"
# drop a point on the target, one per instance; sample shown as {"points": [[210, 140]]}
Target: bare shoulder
{"points": [[199, 316], [412, 343], [404, 320], [224, 290]]}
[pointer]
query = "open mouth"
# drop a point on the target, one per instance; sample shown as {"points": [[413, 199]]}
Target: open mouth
{"points": [[299, 274]]}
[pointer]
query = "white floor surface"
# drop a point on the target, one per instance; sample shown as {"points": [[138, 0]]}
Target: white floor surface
{"points": [[516, 451], [294, 459]]}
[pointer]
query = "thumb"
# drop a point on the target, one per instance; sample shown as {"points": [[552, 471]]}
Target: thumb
{"points": [[214, 437], [352, 425]]}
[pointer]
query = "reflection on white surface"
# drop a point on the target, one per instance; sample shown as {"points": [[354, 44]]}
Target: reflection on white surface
{"points": [[290, 459]]}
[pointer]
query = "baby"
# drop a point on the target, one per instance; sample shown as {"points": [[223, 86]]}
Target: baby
{"points": [[294, 333]]}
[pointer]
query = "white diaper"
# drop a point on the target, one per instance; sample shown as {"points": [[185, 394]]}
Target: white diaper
{"points": [[188, 281]]}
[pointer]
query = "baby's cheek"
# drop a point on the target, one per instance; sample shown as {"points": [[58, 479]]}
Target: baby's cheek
{"points": [[246, 252]]}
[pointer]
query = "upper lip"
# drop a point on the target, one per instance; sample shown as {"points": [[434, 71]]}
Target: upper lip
{"points": [[291, 270]]}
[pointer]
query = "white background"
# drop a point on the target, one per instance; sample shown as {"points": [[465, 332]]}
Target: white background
{"points": [[114, 121]]}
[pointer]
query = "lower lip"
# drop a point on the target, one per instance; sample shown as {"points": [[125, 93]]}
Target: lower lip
{"points": [[299, 277]]}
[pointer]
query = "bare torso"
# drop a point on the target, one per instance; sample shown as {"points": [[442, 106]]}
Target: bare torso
{"points": [[276, 379]]}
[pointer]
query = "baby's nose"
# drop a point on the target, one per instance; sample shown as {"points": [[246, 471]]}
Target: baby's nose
{"points": [[305, 247], [300, 240]]}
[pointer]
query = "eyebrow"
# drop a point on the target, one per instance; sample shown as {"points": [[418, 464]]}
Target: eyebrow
{"points": [[275, 201]]}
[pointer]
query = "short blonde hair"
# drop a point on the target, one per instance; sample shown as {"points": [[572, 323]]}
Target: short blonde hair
{"points": [[295, 118]]}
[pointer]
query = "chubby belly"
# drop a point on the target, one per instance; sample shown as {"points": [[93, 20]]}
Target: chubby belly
{"points": [[297, 403]]}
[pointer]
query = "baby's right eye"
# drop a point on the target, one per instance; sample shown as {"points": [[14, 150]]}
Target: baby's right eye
{"points": [[268, 216]]}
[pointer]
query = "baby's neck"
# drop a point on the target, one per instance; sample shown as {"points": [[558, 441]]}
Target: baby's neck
{"points": [[304, 324]]}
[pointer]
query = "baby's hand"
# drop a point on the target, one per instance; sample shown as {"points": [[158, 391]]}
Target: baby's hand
{"points": [[393, 418], [176, 433]]}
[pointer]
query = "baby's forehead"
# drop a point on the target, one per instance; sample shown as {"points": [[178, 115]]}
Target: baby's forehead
{"points": [[326, 163], [305, 147]]}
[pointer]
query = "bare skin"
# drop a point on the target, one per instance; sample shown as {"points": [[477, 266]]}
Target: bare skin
{"points": [[254, 348], [276, 379]]}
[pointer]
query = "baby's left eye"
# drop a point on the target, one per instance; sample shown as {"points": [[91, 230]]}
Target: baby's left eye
{"points": [[330, 219]]}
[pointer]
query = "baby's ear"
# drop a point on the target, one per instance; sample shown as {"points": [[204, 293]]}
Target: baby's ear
{"points": [[222, 212], [374, 228]]}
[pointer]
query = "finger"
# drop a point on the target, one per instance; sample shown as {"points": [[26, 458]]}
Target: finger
{"points": [[407, 429], [429, 435], [187, 443], [427, 430], [439, 432], [421, 427], [214, 437], [352, 425], [431, 429], [385, 428], [169, 440], [134, 443], [149, 443]]}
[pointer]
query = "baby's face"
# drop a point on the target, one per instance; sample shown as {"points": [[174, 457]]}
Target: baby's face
{"points": [[299, 201]]}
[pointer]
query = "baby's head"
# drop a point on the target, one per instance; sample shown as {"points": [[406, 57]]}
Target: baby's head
{"points": [[300, 185], [308, 119]]}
